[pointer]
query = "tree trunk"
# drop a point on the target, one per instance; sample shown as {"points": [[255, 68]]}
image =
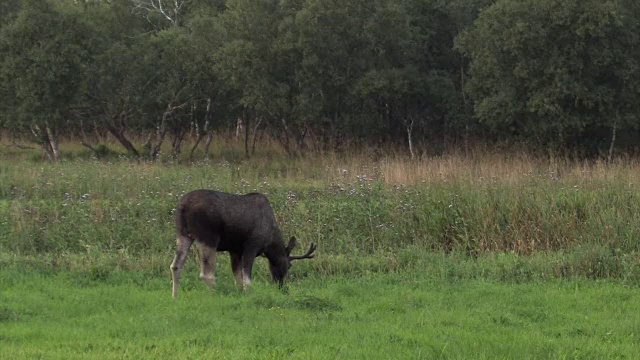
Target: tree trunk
{"points": [[300, 139], [240, 128], [409, 127], [161, 133], [247, 129], [205, 129], [337, 136], [155, 149], [614, 130], [285, 137], [53, 143], [254, 136], [176, 146], [327, 128], [84, 139], [207, 144], [162, 129], [118, 133], [47, 140]]}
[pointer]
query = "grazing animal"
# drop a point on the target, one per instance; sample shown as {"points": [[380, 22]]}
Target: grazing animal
{"points": [[243, 225]]}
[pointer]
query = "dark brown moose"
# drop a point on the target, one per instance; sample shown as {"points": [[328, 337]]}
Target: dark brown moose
{"points": [[243, 225]]}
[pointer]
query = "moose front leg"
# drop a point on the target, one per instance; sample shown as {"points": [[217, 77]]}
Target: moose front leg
{"points": [[182, 249], [236, 267], [208, 268], [241, 266], [248, 257]]}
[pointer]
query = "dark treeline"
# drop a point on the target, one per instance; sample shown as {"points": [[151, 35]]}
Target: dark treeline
{"points": [[316, 74]]}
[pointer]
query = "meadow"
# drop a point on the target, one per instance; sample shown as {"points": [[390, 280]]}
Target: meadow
{"points": [[376, 316], [463, 255]]}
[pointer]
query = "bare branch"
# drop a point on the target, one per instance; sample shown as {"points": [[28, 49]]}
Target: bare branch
{"points": [[19, 146], [167, 9]]}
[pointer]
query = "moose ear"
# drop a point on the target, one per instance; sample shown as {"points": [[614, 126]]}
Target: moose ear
{"points": [[292, 244]]}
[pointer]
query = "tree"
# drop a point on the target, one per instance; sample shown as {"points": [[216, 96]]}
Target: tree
{"points": [[551, 69], [43, 54], [211, 97], [331, 36], [8, 11], [165, 78], [393, 88], [256, 67], [116, 81], [159, 12]]}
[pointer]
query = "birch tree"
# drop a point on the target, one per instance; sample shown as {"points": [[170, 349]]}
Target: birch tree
{"points": [[162, 11], [43, 55]]}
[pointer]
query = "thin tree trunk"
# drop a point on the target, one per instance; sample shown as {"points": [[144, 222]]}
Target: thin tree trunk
{"points": [[162, 129], [240, 126], [53, 143], [161, 133], [84, 140], [118, 133], [99, 133], [285, 137], [41, 136], [409, 127], [176, 146], [193, 124], [335, 134], [195, 145], [246, 136], [300, 141], [464, 97], [614, 130], [146, 146], [155, 150], [205, 129], [254, 136], [207, 144], [247, 124]]}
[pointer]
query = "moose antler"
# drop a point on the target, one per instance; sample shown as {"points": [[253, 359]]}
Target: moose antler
{"points": [[308, 255]]}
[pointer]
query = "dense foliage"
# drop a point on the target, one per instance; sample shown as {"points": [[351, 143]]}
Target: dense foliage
{"points": [[316, 74]]}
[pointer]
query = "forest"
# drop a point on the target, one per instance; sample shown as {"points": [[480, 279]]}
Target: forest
{"points": [[321, 75]]}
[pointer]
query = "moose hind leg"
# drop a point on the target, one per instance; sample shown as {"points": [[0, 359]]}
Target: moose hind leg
{"points": [[183, 245], [207, 272]]}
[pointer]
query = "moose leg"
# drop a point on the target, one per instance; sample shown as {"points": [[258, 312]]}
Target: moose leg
{"points": [[208, 264], [236, 267], [247, 264], [183, 245]]}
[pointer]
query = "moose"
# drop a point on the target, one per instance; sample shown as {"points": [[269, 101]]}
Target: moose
{"points": [[243, 225]]}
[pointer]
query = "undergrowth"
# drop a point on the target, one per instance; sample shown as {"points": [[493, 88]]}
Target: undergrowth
{"points": [[512, 218]]}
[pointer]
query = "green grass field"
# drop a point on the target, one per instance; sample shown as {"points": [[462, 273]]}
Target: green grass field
{"points": [[483, 256], [389, 316]]}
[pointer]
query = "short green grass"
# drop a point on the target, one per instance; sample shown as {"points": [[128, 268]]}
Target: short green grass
{"points": [[382, 316]]}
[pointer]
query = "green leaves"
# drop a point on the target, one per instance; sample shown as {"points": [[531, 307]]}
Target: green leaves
{"points": [[44, 53], [553, 71], [550, 67]]}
